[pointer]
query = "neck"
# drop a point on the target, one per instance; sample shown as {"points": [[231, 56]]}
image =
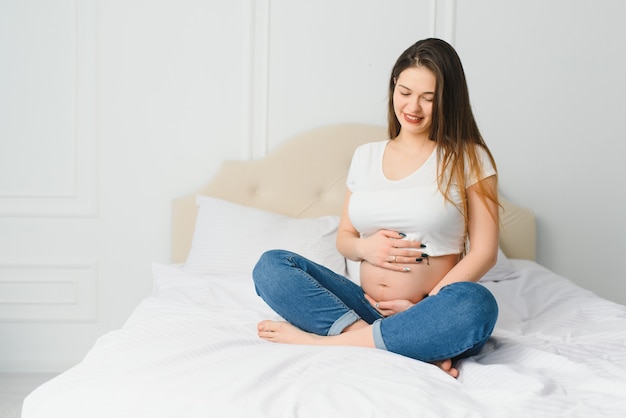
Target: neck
{"points": [[413, 142]]}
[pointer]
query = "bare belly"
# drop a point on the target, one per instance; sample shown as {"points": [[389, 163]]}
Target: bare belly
{"points": [[383, 284]]}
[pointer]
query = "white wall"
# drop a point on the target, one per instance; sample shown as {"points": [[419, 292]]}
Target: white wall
{"points": [[548, 86], [109, 109]]}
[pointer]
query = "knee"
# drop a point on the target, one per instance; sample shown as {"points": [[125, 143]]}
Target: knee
{"points": [[267, 265], [474, 302], [488, 303], [271, 274], [270, 257], [485, 308]]}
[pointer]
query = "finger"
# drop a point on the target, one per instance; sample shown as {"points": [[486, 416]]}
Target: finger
{"points": [[379, 308], [412, 257], [401, 259], [387, 306], [391, 234], [409, 245], [386, 312], [396, 267]]}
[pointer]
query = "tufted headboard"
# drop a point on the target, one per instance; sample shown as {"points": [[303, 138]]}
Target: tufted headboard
{"points": [[306, 177]]}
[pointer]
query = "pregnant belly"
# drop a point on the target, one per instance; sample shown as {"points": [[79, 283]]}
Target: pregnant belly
{"points": [[384, 284]]}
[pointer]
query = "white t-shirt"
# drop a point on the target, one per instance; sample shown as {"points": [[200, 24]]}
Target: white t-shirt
{"points": [[413, 205]]}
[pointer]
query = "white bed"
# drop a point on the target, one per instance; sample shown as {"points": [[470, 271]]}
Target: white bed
{"points": [[190, 348]]}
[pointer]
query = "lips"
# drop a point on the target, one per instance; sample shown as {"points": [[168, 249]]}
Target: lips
{"points": [[412, 119]]}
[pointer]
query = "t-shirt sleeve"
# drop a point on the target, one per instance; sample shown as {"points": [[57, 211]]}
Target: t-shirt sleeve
{"points": [[487, 168], [353, 172]]}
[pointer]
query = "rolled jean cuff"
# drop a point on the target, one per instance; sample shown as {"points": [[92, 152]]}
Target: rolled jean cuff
{"points": [[378, 336], [343, 322]]}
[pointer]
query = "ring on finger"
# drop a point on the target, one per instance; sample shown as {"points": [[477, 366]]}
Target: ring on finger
{"points": [[394, 258]]}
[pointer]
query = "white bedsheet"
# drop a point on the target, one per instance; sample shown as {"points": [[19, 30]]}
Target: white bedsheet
{"points": [[190, 350]]}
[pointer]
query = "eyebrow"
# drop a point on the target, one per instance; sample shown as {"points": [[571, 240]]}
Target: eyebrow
{"points": [[405, 87]]}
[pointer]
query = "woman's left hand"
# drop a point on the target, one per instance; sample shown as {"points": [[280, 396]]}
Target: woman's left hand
{"points": [[390, 307]]}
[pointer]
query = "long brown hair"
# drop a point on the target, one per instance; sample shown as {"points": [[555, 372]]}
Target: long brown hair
{"points": [[454, 128]]}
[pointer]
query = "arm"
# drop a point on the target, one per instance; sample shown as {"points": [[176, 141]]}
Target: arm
{"points": [[347, 235], [483, 226]]}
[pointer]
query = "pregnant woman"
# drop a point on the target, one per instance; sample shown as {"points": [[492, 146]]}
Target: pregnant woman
{"points": [[421, 218]]}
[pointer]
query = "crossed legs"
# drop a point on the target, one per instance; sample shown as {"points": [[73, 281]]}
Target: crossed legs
{"points": [[324, 308]]}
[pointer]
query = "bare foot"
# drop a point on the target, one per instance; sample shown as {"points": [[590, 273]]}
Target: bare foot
{"points": [[284, 332], [446, 366], [359, 334]]}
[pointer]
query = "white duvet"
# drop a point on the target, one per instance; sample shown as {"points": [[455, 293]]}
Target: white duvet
{"points": [[190, 350]]}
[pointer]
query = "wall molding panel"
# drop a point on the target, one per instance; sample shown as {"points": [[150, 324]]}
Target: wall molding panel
{"points": [[50, 148], [42, 291], [444, 20], [256, 60]]}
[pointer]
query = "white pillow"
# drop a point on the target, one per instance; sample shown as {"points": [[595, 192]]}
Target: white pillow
{"points": [[230, 238], [502, 270], [233, 292]]}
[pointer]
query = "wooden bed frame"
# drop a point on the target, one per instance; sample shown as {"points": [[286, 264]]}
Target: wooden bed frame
{"points": [[305, 177]]}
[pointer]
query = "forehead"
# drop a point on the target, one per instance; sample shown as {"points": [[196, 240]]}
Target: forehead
{"points": [[418, 79]]}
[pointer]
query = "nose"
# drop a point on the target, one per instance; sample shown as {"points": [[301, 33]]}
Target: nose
{"points": [[414, 105]]}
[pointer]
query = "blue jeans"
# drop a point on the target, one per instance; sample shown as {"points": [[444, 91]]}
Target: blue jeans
{"points": [[455, 323]]}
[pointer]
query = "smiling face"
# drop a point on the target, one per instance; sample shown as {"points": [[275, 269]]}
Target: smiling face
{"points": [[413, 97]]}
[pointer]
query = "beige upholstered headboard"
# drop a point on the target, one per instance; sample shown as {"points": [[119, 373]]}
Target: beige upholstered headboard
{"points": [[305, 177]]}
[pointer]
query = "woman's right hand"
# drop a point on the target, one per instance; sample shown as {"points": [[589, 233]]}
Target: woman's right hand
{"points": [[388, 249], [389, 307]]}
